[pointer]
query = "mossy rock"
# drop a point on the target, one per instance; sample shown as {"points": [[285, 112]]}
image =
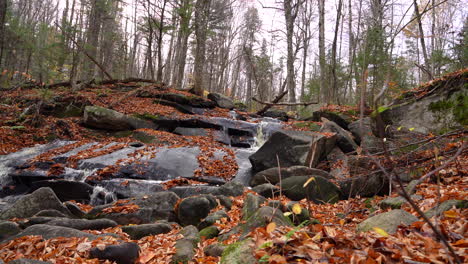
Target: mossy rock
{"points": [[240, 252], [209, 232]]}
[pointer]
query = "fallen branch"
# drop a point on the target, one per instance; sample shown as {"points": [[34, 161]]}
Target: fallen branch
{"points": [[287, 104], [276, 100]]}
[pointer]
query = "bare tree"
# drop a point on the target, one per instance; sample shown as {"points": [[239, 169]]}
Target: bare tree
{"points": [[202, 11]]}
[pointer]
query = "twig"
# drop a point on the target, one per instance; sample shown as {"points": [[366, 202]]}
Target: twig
{"points": [[276, 100], [287, 104]]}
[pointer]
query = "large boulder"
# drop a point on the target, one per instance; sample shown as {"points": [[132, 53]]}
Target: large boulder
{"points": [[272, 175], [185, 247], [339, 119], [445, 206], [103, 118], [67, 190], [193, 209], [221, 100], [239, 253], [262, 217], [125, 253], [8, 229], [364, 186], [344, 138], [48, 232], [318, 190], [291, 148], [388, 221], [31, 204], [83, 224], [339, 164], [139, 231]]}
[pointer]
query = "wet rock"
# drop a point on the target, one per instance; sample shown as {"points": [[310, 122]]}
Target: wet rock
{"points": [[128, 188], [139, 231], [189, 131], [239, 253], [344, 139], [74, 209], [8, 229], [31, 204], [278, 114], [83, 224], [388, 221], [193, 209], [266, 190], [319, 190], [292, 148], [272, 175], [125, 253], [103, 118], [67, 190], [232, 189], [221, 100], [364, 186]]}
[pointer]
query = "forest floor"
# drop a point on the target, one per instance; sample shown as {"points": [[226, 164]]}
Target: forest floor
{"points": [[332, 238]]}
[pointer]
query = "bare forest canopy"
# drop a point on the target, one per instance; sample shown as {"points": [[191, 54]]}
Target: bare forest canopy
{"points": [[318, 51]]}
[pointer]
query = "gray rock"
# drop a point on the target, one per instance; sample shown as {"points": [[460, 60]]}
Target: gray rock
{"points": [[292, 148], [125, 253], [191, 190], [185, 247], [67, 190], [339, 164], [445, 206], [214, 250], [278, 114], [396, 202], [272, 175], [190, 131], [364, 186], [48, 232], [319, 190], [388, 221], [239, 253], [221, 100], [344, 139], [31, 204], [28, 261], [103, 118], [251, 205], [209, 232], [139, 231], [83, 224], [262, 217], [51, 213], [224, 201], [266, 190], [8, 229], [193, 209], [232, 189], [74, 209], [212, 218]]}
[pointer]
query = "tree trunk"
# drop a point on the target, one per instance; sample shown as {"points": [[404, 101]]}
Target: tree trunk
{"points": [[291, 78], [333, 87], [94, 30], [3, 9], [202, 11], [423, 43], [322, 61], [159, 75]]}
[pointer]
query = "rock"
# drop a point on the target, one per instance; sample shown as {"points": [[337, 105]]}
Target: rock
{"points": [[445, 206], [103, 118], [251, 205], [262, 217], [191, 131], [319, 190], [277, 204], [193, 101], [297, 219], [240, 252], [318, 115], [193, 209], [212, 218], [51, 213], [67, 190], [388, 221], [232, 189], [127, 188], [221, 100], [137, 232], [8, 229], [272, 175], [292, 148], [339, 164], [28, 261], [344, 138], [185, 247], [48, 232], [74, 209], [396, 202], [224, 201], [125, 253], [278, 114], [31, 204], [209, 232], [83, 224], [266, 190], [364, 186], [366, 138], [193, 190], [214, 250]]}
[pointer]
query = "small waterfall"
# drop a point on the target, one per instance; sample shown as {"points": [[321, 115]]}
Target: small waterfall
{"points": [[100, 195], [78, 175], [259, 138]]}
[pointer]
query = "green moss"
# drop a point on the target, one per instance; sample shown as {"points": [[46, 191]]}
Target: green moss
{"points": [[147, 116], [309, 125], [457, 105], [209, 232], [123, 134]]}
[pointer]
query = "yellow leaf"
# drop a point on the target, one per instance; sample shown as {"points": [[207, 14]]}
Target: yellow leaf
{"points": [[450, 214], [297, 209], [309, 181], [411, 129], [287, 214], [271, 227], [380, 231], [317, 237], [342, 222]]}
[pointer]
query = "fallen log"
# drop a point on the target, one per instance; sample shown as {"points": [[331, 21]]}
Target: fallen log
{"points": [[268, 106]]}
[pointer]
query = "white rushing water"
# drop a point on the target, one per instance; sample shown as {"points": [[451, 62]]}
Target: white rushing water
{"points": [[100, 193]]}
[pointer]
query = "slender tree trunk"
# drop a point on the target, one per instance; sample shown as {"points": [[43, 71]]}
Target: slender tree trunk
{"points": [[3, 9], [322, 61], [333, 87], [202, 11], [423, 42], [290, 16], [94, 30], [159, 75], [170, 54]]}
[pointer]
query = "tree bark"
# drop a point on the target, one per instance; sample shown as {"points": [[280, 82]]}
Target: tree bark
{"points": [[333, 87], [202, 11], [423, 42], [322, 60], [93, 33], [3, 9], [290, 16]]}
